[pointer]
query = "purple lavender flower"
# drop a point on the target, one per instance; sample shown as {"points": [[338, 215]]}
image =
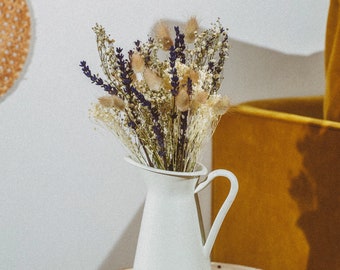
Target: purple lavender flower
{"points": [[179, 45], [96, 80], [158, 104], [173, 71]]}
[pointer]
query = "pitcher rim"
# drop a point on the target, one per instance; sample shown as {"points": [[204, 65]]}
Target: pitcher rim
{"points": [[201, 171]]}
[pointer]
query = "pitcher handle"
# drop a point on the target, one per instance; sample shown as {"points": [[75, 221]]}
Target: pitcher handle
{"points": [[224, 208]]}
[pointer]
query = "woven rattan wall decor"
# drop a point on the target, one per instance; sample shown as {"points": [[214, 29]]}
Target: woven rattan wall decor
{"points": [[15, 36]]}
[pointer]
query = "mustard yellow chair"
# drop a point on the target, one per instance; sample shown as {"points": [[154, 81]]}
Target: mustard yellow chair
{"points": [[287, 160], [332, 63], [286, 155]]}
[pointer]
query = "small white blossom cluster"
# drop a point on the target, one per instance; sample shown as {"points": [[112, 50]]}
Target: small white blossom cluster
{"points": [[163, 110]]}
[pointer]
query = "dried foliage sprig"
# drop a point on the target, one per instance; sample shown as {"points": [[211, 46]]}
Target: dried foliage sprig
{"points": [[163, 110]]}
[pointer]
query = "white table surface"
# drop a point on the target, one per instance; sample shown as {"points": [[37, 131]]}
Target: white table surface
{"points": [[224, 266], [227, 266]]}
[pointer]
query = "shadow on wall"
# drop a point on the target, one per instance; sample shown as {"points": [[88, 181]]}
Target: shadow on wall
{"points": [[122, 254], [254, 72], [317, 192]]}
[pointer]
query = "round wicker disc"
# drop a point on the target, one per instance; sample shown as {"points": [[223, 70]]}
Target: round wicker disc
{"points": [[14, 40]]}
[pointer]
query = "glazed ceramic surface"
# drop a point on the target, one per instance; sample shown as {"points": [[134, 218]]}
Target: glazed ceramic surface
{"points": [[170, 235]]}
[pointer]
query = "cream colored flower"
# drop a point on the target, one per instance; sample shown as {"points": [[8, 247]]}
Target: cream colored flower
{"points": [[163, 35], [220, 104], [165, 104], [137, 62], [199, 98], [112, 102], [182, 100], [190, 30], [190, 74], [153, 81]]}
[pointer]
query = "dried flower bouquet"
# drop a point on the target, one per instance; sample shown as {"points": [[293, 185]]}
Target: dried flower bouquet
{"points": [[163, 110]]}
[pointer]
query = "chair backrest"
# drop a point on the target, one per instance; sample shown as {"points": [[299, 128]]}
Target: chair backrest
{"points": [[287, 212]]}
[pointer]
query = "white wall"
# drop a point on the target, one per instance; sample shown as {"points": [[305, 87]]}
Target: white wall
{"points": [[67, 199]]}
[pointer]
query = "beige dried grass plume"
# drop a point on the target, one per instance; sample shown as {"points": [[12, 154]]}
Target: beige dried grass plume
{"points": [[163, 35], [191, 29], [137, 62], [163, 106]]}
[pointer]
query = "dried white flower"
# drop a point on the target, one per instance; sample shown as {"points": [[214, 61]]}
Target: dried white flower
{"points": [[163, 109]]}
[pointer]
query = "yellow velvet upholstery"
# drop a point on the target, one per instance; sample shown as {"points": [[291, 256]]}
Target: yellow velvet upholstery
{"points": [[332, 63], [287, 160]]}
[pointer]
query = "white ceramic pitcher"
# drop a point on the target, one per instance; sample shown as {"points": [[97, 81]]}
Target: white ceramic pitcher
{"points": [[170, 236]]}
